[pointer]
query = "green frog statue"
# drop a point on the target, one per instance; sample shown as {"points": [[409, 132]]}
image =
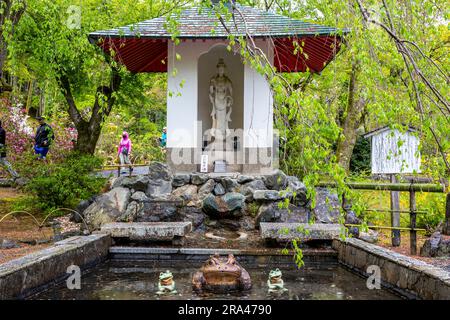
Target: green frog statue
{"points": [[166, 285], [275, 283]]}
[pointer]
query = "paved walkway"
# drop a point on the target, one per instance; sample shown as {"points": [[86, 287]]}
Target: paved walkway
{"points": [[136, 171]]}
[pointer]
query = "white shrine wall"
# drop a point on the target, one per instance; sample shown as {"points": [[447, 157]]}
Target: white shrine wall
{"points": [[182, 100]]}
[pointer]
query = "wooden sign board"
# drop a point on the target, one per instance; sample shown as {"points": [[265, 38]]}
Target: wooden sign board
{"points": [[394, 151]]}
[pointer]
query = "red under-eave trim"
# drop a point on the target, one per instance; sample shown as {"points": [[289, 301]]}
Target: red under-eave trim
{"points": [[150, 55], [319, 50], [138, 54]]}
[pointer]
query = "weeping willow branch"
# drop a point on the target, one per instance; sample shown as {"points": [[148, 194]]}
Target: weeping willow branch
{"points": [[414, 71]]}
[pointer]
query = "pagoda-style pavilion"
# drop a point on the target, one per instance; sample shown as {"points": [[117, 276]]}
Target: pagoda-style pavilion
{"points": [[219, 109]]}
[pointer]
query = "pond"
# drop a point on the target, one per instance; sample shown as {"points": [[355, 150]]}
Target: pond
{"points": [[115, 280]]}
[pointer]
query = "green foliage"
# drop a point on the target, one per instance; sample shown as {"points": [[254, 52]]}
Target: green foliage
{"points": [[360, 160], [434, 205], [253, 208], [143, 116], [298, 254], [63, 185]]}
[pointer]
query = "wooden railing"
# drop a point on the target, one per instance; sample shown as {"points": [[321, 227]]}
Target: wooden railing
{"points": [[120, 166], [412, 188]]}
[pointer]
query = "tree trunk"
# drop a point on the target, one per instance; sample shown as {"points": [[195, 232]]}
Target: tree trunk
{"points": [[351, 121], [89, 131], [87, 138]]}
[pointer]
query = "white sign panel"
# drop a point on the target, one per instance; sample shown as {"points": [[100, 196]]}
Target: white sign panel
{"points": [[204, 163], [395, 152]]}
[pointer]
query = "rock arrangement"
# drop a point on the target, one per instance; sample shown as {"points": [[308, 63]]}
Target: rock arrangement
{"points": [[436, 246], [235, 202]]}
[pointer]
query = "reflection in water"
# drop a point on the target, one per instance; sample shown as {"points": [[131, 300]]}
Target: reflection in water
{"points": [[138, 282]]}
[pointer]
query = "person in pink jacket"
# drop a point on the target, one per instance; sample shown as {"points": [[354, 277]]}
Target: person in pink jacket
{"points": [[124, 151]]}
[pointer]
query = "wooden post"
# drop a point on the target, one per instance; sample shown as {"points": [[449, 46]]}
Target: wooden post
{"points": [[446, 229], [118, 171], [412, 232], [395, 215]]}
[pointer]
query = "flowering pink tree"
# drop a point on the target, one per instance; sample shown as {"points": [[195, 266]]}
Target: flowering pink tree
{"points": [[20, 134]]}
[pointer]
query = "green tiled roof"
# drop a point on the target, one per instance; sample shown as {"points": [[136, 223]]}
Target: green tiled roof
{"points": [[203, 23]]}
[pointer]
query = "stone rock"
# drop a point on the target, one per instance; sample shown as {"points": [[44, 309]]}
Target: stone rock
{"points": [[180, 180], [139, 196], [283, 232], [276, 181], [229, 184], [148, 231], [219, 190], [370, 236], [193, 215], [21, 181], [107, 207], [159, 189], [137, 183], [133, 210], [6, 183], [271, 212], [244, 179], [159, 171], [268, 213], [212, 223], [206, 189], [298, 189], [203, 192], [444, 248], [250, 187], [186, 192], [199, 178], [80, 208], [158, 211], [227, 206], [327, 208], [267, 195], [247, 223], [351, 218], [8, 244], [436, 246], [229, 224]]}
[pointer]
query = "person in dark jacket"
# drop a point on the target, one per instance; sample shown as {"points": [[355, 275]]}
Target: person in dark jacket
{"points": [[3, 161], [43, 139]]}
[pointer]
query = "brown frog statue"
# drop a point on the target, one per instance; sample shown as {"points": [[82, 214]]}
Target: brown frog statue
{"points": [[218, 275]]}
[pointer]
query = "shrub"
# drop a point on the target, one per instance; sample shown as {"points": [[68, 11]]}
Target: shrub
{"points": [[20, 137], [434, 205], [253, 208], [64, 184]]}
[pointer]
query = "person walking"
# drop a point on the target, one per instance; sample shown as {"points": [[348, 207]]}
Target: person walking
{"points": [[43, 139], [163, 139], [3, 161], [124, 151], [73, 135]]}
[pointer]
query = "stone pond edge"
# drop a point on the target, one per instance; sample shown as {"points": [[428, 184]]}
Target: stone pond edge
{"points": [[415, 278], [42, 268], [24, 276]]}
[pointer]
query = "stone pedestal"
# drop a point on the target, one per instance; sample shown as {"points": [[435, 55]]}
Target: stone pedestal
{"points": [[253, 161]]}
